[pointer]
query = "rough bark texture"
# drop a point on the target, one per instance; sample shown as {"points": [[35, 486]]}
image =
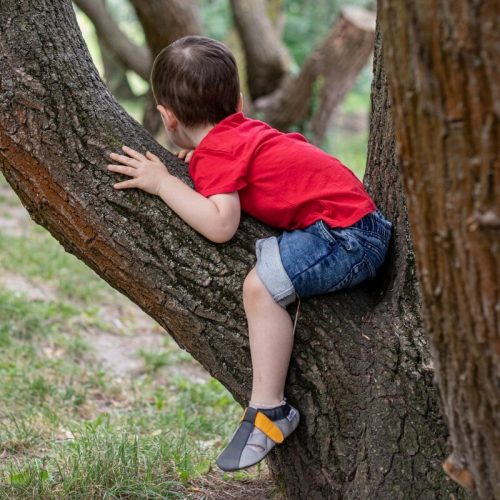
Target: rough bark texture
{"points": [[338, 59], [359, 373], [443, 60]]}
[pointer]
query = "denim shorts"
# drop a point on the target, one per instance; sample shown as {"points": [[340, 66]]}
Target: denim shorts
{"points": [[319, 259]]}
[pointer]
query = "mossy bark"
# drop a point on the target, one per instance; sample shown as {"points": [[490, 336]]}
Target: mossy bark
{"points": [[360, 371]]}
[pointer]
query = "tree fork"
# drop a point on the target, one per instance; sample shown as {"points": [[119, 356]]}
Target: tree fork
{"points": [[359, 372]]}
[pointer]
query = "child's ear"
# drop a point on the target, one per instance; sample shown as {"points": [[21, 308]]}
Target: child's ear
{"points": [[239, 108], [168, 116]]}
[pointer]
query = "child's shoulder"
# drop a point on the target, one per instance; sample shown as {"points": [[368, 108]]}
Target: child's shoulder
{"points": [[235, 134]]}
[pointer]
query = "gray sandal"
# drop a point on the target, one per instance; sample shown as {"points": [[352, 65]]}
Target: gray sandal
{"points": [[258, 433]]}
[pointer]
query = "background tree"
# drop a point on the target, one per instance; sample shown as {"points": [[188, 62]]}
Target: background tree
{"points": [[360, 371], [442, 58], [284, 99], [163, 21]]}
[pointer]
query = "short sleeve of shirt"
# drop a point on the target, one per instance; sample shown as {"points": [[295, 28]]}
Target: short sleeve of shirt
{"points": [[217, 172]]}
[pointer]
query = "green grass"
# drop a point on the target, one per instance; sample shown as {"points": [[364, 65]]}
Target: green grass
{"points": [[68, 428]]}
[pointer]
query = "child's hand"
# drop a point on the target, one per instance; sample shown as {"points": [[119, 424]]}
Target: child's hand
{"points": [[147, 172], [185, 154]]}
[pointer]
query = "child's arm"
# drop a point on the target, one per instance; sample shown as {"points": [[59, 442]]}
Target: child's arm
{"points": [[216, 217]]}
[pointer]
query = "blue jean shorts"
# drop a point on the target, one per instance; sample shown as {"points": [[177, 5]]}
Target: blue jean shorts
{"points": [[319, 259]]}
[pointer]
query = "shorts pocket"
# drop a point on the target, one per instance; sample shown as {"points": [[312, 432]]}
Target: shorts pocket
{"points": [[339, 236], [360, 272]]}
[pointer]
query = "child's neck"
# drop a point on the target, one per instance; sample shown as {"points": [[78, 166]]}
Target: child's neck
{"points": [[194, 135]]}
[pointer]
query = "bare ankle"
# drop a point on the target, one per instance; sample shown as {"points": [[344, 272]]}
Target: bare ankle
{"points": [[267, 405]]}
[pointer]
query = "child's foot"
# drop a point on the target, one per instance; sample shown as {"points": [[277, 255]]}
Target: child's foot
{"points": [[258, 433]]}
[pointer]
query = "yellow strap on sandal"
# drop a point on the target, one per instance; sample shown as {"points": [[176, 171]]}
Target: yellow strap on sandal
{"points": [[268, 427]]}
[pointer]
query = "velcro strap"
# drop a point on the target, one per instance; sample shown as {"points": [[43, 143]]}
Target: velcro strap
{"points": [[268, 427]]}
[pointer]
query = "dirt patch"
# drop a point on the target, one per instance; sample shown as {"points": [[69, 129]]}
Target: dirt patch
{"points": [[132, 331], [120, 355], [14, 218], [216, 486], [19, 284]]}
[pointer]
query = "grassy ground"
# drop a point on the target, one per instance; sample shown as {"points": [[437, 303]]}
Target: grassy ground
{"points": [[96, 402]]}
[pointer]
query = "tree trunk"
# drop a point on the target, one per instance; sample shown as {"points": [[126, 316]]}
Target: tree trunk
{"points": [[443, 60], [164, 21], [360, 373], [345, 58]]}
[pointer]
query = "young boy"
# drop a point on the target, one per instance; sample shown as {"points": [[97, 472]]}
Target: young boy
{"points": [[334, 237]]}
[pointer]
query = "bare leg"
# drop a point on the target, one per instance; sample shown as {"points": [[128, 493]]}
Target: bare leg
{"points": [[271, 340]]}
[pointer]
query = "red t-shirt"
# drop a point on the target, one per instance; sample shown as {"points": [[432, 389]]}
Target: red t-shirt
{"points": [[281, 179]]}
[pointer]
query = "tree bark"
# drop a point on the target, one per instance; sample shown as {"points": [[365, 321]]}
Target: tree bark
{"points": [[442, 58], [360, 372]]}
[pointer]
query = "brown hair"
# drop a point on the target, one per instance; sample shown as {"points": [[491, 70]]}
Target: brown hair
{"points": [[197, 78]]}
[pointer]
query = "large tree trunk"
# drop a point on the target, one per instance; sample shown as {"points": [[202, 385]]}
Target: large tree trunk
{"points": [[360, 372], [443, 60]]}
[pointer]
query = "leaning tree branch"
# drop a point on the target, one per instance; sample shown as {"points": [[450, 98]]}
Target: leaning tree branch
{"points": [[132, 56], [164, 21], [344, 55], [339, 58], [267, 60]]}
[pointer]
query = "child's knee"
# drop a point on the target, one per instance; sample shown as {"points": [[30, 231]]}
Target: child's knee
{"points": [[253, 288]]}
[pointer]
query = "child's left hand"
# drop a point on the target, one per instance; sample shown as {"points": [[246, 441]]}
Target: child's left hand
{"points": [[147, 172]]}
